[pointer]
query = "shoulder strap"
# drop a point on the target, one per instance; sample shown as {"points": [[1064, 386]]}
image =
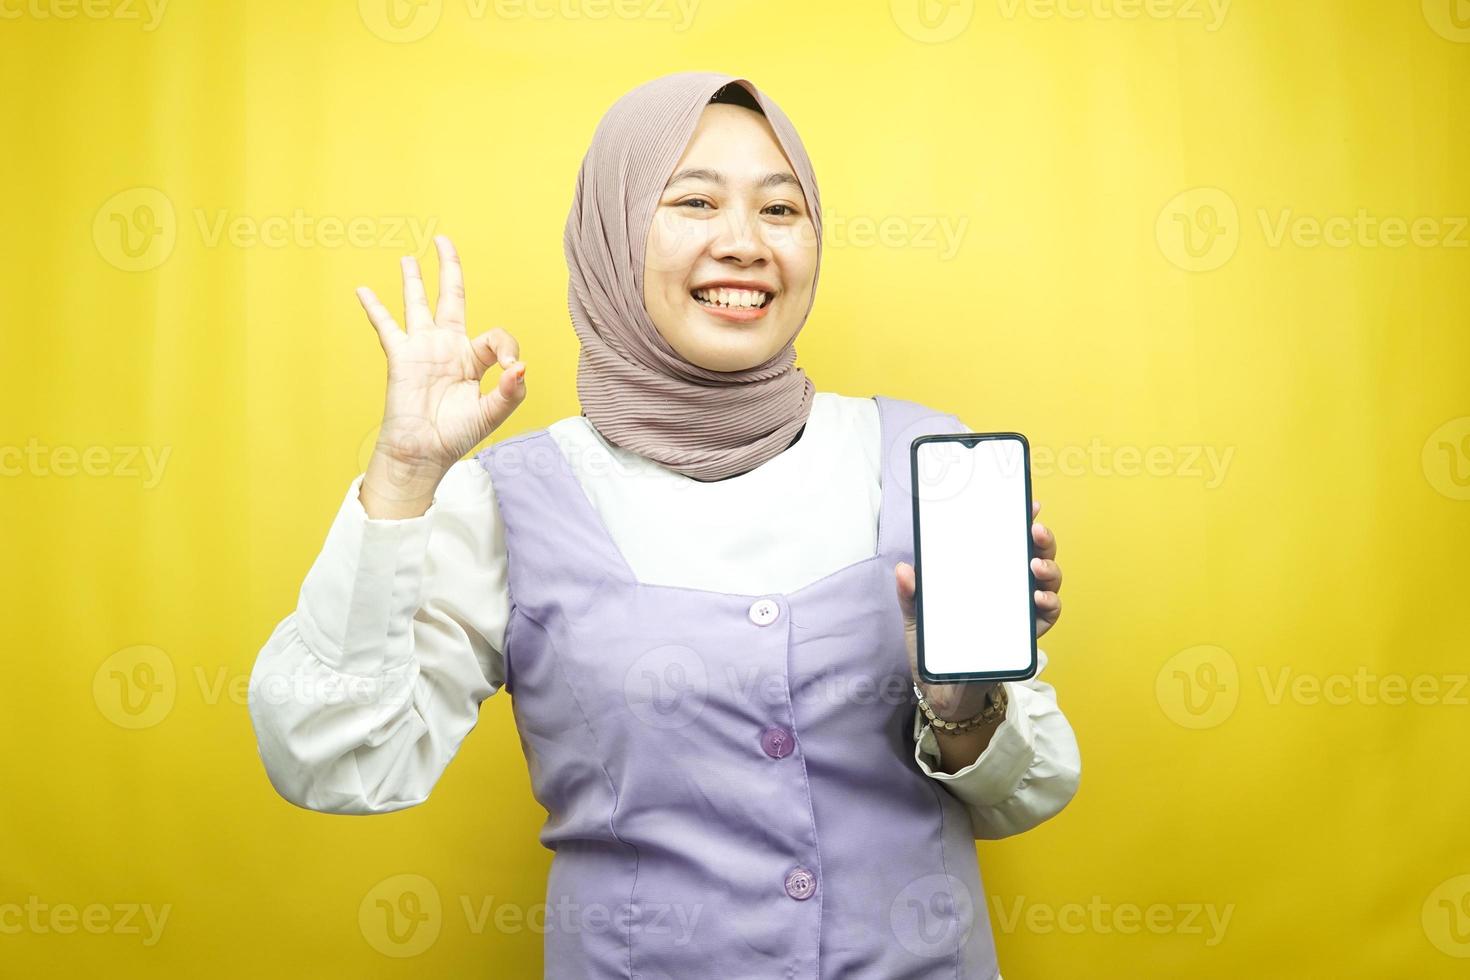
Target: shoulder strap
{"points": [[902, 421], [558, 547]]}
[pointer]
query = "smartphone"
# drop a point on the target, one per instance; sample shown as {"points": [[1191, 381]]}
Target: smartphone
{"points": [[975, 593]]}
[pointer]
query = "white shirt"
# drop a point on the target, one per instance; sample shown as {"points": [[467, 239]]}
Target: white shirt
{"points": [[361, 696]]}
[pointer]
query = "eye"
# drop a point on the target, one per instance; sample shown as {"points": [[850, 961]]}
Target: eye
{"points": [[692, 200], [788, 212]]}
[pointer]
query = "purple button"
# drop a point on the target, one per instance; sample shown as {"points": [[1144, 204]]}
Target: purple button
{"points": [[777, 741], [800, 883]]}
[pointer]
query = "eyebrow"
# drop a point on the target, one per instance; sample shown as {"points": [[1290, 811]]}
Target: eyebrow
{"points": [[773, 179]]}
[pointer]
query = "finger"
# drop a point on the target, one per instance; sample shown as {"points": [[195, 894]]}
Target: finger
{"points": [[495, 346], [389, 334], [415, 300], [1048, 604], [450, 312], [1046, 542], [1048, 573]]}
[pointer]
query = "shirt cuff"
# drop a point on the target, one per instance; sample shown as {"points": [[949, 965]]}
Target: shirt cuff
{"points": [[996, 774], [364, 588]]}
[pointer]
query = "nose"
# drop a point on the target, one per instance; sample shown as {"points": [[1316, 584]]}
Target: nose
{"points": [[739, 239]]}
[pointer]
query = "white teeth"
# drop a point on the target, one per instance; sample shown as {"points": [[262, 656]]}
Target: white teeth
{"points": [[738, 298]]}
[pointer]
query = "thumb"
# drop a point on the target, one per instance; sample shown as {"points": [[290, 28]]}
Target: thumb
{"points": [[903, 574], [508, 393]]}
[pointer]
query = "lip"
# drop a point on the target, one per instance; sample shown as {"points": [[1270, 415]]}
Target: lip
{"points": [[735, 316], [754, 284], [732, 314]]}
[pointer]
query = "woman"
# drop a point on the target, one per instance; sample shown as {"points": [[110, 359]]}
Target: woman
{"points": [[695, 592]]}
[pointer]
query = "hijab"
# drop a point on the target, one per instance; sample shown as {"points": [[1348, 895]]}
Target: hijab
{"points": [[635, 389]]}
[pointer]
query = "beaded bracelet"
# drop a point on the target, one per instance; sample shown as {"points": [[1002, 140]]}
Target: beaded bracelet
{"points": [[995, 706]]}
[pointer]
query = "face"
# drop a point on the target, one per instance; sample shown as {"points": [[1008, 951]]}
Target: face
{"points": [[732, 251]]}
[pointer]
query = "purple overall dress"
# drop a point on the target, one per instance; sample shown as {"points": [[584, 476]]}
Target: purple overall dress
{"points": [[729, 780]]}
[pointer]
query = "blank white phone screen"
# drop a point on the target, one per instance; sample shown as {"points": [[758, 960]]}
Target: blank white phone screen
{"points": [[974, 525]]}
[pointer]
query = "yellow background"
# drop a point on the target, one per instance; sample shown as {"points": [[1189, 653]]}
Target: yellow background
{"points": [[1120, 282]]}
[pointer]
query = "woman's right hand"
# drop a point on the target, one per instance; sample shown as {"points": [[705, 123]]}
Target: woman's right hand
{"points": [[434, 411]]}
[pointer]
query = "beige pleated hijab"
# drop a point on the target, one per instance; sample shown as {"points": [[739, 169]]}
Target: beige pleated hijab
{"points": [[639, 392]]}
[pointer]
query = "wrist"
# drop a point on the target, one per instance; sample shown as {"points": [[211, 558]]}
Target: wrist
{"points": [[966, 715], [392, 490], [961, 746]]}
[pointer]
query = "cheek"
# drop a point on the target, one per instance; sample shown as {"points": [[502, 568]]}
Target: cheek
{"points": [[663, 287], [798, 256], [673, 246], [797, 275]]}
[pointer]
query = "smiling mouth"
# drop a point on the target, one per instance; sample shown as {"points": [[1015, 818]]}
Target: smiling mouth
{"points": [[733, 299]]}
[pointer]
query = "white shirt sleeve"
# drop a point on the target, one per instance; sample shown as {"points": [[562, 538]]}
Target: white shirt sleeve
{"points": [[1028, 772], [361, 696]]}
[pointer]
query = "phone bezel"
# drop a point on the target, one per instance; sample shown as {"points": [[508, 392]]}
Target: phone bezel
{"points": [[971, 438]]}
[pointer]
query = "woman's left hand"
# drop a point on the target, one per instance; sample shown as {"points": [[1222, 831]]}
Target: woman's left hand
{"points": [[964, 700]]}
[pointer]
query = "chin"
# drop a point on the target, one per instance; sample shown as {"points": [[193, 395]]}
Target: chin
{"points": [[725, 353], [727, 361]]}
